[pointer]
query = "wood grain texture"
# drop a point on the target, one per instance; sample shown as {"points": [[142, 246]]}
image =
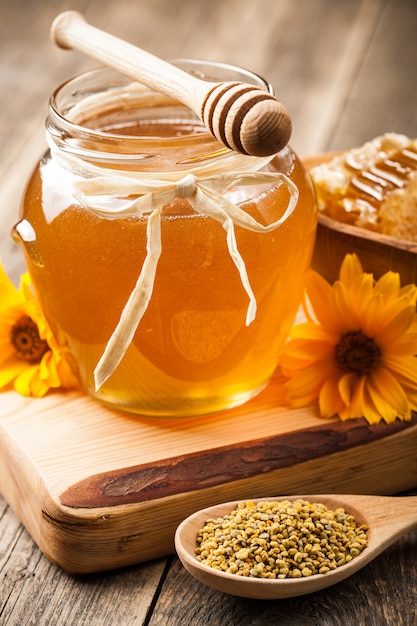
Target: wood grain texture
{"points": [[381, 96], [378, 253], [346, 72], [34, 591], [370, 598], [69, 468], [223, 464]]}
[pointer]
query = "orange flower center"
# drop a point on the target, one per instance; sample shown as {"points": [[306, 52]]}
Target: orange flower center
{"points": [[358, 354], [27, 342]]}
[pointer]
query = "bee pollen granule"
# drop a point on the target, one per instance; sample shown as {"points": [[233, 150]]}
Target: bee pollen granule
{"points": [[280, 539]]}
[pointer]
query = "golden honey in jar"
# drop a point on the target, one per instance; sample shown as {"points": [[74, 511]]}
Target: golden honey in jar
{"points": [[169, 267]]}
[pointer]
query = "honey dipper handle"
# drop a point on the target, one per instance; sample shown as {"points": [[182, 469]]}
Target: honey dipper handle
{"points": [[242, 117]]}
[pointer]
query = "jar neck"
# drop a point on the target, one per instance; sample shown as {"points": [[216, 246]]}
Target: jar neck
{"points": [[103, 120]]}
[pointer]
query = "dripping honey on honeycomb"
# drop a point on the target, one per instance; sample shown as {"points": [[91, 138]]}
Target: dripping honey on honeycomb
{"points": [[374, 186]]}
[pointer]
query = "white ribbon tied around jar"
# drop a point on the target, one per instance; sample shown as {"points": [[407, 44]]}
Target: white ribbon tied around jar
{"points": [[153, 195]]}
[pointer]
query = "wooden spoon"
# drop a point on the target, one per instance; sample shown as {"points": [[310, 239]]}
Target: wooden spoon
{"points": [[243, 117], [387, 519]]}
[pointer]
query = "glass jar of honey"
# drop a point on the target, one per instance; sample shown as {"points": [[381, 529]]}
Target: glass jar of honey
{"points": [[169, 267]]}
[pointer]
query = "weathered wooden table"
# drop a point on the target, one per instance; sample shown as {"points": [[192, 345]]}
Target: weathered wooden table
{"points": [[347, 71]]}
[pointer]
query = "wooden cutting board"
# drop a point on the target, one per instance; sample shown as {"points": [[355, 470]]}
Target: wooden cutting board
{"points": [[98, 489]]}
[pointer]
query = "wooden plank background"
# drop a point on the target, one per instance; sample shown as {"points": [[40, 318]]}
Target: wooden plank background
{"points": [[346, 71]]}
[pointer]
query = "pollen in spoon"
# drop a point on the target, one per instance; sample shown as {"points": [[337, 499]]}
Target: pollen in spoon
{"points": [[284, 539]]}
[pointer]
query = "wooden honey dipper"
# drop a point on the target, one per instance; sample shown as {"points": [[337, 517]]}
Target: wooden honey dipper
{"points": [[243, 117]]}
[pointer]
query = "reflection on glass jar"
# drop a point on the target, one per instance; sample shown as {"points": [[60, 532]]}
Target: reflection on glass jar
{"points": [[199, 328]]}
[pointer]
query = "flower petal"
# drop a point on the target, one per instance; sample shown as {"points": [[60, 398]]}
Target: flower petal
{"points": [[406, 345], [388, 286], [410, 292], [22, 383], [8, 291], [361, 290], [388, 395], [361, 404], [310, 331], [66, 375], [412, 397], [342, 309], [308, 350], [397, 326], [347, 384], [370, 412], [10, 369], [350, 269], [372, 317], [308, 381], [357, 404], [319, 293], [404, 368], [330, 401], [29, 383], [6, 352]]}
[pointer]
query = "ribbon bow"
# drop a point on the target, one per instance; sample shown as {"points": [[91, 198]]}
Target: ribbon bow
{"points": [[204, 197]]}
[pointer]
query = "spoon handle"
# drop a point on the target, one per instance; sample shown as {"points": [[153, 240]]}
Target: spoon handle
{"points": [[243, 117], [399, 513], [389, 517]]}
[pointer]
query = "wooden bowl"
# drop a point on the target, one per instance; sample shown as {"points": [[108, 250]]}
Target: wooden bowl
{"points": [[377, 253]]}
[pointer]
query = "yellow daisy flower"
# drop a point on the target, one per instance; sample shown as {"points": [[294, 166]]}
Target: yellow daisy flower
{"points": [[357, 351], [30, 359]]}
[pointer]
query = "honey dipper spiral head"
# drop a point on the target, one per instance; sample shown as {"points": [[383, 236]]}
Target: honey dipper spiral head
{"points": [[246, 119], [242, 117]]}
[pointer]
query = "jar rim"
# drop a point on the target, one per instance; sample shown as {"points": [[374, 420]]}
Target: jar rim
{"points": [[73, 123], [198, 67], [59, 113]]}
